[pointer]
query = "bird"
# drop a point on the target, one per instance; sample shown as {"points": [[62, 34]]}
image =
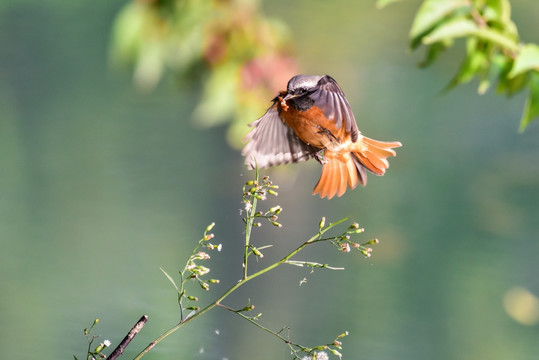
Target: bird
{"points": [[313, 119]]}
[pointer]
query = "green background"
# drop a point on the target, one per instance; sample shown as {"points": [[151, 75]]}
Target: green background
{"points": [[100, 186]]}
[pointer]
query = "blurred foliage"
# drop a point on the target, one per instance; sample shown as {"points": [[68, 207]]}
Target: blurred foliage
{"points": [[493, 49], [243, 58]]}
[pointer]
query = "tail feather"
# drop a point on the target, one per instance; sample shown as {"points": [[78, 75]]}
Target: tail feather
{"points": [[338, 173], [342, 170], [373, 154]]}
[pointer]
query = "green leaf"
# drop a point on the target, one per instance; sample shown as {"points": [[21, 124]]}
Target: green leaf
{"points": [[454, 28], [499, 10], [219, 98], [434, 51], [513, 85], [171, 280], [380, 4], [462, 27], [508, 85], [498, 38], [430, 14], [475, 63], [527, 59], [531, 108], [495, 68]]}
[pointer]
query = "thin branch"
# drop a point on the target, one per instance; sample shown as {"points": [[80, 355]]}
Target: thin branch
{"points": [[313, 239], [127, 339]]}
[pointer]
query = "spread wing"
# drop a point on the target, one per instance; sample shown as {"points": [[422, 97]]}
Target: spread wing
{"points": [[330, 98], [272, 142]]}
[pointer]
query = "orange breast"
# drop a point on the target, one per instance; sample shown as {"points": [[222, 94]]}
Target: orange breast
{"points": [[314, 128]]}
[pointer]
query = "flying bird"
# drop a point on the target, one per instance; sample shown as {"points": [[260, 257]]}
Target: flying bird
{"points": [[313, 119]]}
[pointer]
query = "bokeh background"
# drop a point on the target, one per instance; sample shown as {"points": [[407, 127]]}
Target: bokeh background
{"points": [[101, 185]]}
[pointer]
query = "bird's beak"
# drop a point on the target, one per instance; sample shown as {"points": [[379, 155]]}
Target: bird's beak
{"points": [[289, 96]]}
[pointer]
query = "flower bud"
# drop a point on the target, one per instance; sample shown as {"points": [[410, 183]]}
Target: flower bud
{"points": [[192, 298], [276, 209], [98, 349], [202, 270], [335, 352], [213, 281], [257, 252], [210, 227], [250, 183], [322, 222], [275, 223], [273, 192]]}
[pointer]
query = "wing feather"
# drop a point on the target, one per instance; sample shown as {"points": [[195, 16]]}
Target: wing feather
{"points": [[272, 142], [331, 99]]}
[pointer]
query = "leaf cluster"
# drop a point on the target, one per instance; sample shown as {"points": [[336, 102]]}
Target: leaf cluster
{"points": [[241, 57], [494, 53]]}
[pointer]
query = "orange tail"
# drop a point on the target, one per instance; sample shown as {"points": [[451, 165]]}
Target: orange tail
{"points": [[348, 169]]}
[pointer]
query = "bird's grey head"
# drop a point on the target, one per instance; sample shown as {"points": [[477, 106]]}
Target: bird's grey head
{"points": [[302, 83]]}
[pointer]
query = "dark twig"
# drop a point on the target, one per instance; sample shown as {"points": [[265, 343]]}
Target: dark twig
{"points": [[127, 339]]}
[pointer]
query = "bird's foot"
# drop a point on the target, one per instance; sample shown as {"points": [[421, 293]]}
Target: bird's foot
{"points": [[328, 133], [321, 158]]}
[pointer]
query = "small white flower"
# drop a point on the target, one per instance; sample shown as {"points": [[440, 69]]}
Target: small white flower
{"points": [[322, 355], [345, 247], [106, 343], [248, 206]]}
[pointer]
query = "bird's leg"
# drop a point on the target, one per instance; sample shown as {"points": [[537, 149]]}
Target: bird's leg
{"points": [[332, 138], [320, 157]]}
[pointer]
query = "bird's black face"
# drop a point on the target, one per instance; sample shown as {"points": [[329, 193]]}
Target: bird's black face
{"points": [[298, 90]]}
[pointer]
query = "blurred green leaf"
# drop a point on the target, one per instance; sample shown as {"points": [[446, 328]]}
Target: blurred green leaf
{"points": [[494, 36], [494, 70], [149, 66], [475, 62], [512, 86], [126, 32], [499, 10], [219, 98], [380, 4], [434, 51], [527, 59], [531, 108], [462, 27], [454, 28], [430, 14]]}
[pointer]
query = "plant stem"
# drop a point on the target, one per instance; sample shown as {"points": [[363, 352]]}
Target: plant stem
{"points": [[246, 278], [248, 227]]}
